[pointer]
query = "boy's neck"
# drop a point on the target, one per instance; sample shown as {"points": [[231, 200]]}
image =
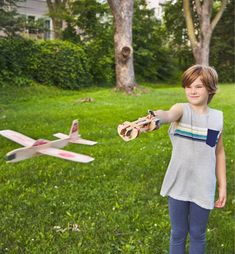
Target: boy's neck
{"points": [[200, 109]]}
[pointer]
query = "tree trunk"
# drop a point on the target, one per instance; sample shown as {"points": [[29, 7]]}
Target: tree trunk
{"points": [[201, 45], [123, 13], [57, 27], [56, 11], [201, 53], [201, 50]]}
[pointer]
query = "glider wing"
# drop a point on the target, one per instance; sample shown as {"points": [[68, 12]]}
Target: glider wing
{"points": [[66, 155], [17, 137], [83, 141]]}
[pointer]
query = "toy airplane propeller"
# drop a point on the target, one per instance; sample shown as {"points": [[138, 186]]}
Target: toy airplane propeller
{"points": [[41, 146]]}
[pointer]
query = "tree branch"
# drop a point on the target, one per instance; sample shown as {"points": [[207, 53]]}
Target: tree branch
{"points": [[50, 5], [189, 22], [198, 8], [219, 14], [114, 5]]}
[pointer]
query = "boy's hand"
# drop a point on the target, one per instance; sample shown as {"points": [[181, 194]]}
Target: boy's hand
{"points": [[220, 203], [131, 130], [154, 121]]}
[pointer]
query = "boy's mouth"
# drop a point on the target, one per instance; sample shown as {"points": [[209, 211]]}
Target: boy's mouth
{"points": [[193, 96]]}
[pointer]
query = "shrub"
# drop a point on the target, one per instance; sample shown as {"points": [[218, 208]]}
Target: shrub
{"points": [[8, 78], [158, 65], [101, 57], [17, 56], [59, 63], [63, 64]]}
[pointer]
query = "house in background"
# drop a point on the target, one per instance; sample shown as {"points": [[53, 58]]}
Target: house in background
{"points": [[34, 10], [37, 9], [157, 5]]}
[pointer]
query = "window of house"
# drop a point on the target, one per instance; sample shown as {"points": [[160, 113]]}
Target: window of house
{"points": [[31, 26], [47, 25], [159, 11]]}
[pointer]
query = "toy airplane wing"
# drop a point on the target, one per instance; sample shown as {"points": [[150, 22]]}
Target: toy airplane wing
{"points": [[17, 137], [84, 142], [66, 155]]}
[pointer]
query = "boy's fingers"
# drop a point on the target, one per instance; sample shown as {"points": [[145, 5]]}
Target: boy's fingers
{"points": [[220, 203], [223, 202], [217, 203]]}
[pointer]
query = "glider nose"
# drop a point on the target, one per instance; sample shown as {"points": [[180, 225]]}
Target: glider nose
{"points": [[10, 157]]}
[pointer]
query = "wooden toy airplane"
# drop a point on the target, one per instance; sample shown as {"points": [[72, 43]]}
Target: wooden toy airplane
{"points": [[131, 130], [41, 146]]}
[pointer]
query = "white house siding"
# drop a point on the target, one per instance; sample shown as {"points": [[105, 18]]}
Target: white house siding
{"points": [[37, 8], [157, 6]]}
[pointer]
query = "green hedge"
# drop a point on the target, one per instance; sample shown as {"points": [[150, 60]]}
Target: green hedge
{"points": [[101, 57], [59, 63], [69, 65], [62, 64], [17, 56]]}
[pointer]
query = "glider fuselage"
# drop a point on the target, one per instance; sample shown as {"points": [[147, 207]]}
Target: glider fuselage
{"points": [[31, 151]]}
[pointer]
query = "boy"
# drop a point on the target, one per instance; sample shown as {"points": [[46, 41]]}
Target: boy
{"points": [[197, 158]]}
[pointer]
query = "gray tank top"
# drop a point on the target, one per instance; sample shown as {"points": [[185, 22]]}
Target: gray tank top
{"points": [[191, 172]]}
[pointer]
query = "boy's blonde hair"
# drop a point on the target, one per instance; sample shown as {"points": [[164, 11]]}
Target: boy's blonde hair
{"points": [[209, 78]]}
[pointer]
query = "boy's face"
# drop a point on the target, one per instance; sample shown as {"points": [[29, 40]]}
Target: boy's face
{"points": [[197, 93]]}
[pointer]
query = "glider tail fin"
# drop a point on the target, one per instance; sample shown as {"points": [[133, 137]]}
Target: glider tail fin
{"points": [[75, 138], [73, 135]]}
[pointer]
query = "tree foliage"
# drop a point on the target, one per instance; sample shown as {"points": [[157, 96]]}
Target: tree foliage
{"points": [[57, 11], [95, 31], [200, 35], [92, 18], [176, 33], [92, 28], [10, 21], [152, 57], [222, 50], [222, 45]]}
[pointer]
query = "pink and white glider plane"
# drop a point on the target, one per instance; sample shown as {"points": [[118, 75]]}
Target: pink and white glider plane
{"points": [[41, 146]]}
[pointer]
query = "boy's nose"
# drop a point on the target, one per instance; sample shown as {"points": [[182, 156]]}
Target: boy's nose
{"points": [[193, 91]]}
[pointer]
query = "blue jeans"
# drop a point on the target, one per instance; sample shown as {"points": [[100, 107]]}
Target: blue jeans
{"points": [[187, 217]]}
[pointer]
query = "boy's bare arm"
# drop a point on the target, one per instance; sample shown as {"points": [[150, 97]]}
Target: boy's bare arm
{"points": [[172, 115], [221, 173]]}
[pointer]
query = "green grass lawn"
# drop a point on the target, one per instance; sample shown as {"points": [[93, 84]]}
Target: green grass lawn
{"points": [[114, 200]]}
